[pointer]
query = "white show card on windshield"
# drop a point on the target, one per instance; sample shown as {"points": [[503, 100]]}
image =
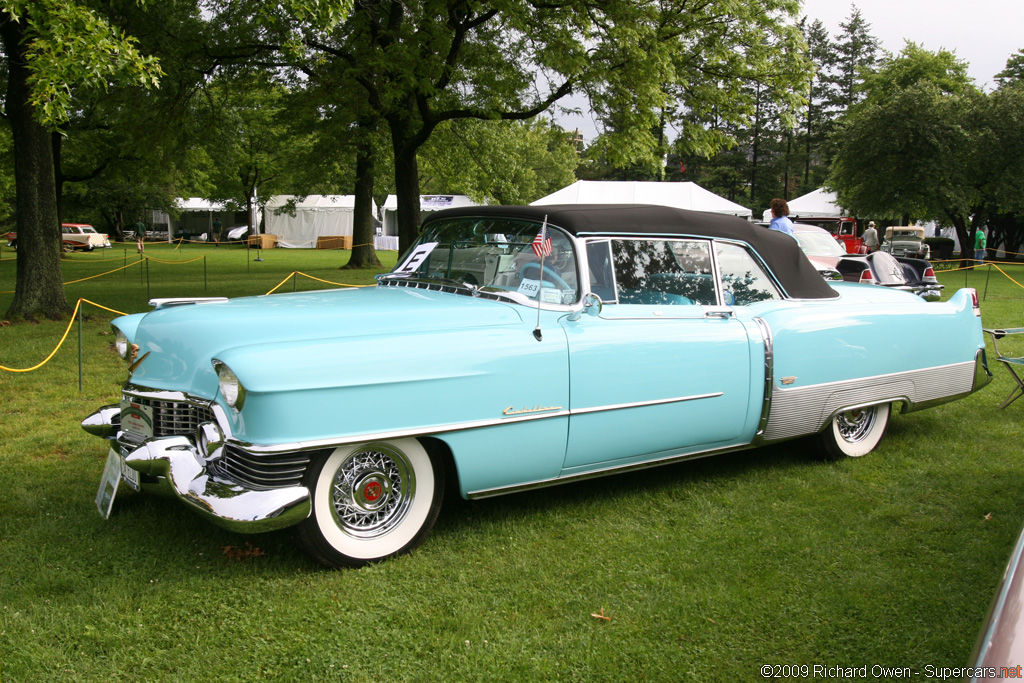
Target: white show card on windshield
{"points": [[416, 258]]}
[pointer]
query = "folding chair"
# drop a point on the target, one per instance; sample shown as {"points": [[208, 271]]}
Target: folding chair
{"points": [[1009, 362]]}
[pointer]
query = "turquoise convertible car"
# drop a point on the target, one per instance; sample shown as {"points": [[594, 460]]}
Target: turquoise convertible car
{"points": [[513, 348]]}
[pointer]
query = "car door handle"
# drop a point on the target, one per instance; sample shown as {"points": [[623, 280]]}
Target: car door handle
{"points": [[718, 312]]}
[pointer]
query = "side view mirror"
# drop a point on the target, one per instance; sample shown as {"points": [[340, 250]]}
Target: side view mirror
{"points": [[591, 306]]}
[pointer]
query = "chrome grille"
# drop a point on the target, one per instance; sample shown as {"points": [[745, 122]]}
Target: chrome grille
{"points": [[175, 418], [261, 471]]}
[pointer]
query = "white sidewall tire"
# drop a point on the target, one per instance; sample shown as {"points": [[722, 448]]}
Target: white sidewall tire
{"points": [[838, 446], [335, 545]]}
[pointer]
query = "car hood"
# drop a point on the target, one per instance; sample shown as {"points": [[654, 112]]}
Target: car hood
{"points": [[177, 343]]}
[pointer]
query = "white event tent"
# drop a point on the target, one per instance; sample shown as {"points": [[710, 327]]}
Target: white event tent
{"points": [[315, 216], [195, 217], [686, 195], [820, 203]]}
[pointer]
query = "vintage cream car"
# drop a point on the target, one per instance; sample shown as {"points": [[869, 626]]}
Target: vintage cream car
{"points": [[514, 348], [906, 240]]}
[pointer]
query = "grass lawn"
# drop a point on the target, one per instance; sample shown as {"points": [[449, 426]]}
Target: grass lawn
{"points": [[704, 571]]}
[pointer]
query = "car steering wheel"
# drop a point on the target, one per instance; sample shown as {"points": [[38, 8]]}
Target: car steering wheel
{"points": [[548, 274]]}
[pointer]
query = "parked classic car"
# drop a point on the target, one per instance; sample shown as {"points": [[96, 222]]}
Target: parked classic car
{"points": [[879, 268], [999, 651], [73, 236], [906, 240], [514, 348], [82, 236]]}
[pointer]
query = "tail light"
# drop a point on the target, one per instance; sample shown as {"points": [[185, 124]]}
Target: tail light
{"points": [[866, 278], [974, 302], [929, 272]]}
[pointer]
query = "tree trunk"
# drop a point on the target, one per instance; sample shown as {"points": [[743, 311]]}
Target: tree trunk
{"points": [[755, 140], [965, 238], [407, 188], [39, 290], [364, 255]]}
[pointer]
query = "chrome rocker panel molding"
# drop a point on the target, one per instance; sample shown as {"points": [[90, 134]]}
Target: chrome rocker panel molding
{"points": [[806, 410]]}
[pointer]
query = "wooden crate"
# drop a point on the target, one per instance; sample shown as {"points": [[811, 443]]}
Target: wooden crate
{"points": [[334, 242], [262, 241]]}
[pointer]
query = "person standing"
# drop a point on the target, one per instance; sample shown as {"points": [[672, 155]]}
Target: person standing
{"points": [[216, 231], [980, 242], [780, 217], [871, 238]]}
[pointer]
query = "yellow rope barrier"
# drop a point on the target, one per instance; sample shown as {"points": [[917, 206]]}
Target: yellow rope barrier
{"points": [[91, 277], [109, 310], [1006, 276], [295, 272], [67, 331], [95, 260], [281, 283], [339, 284], [157, 260]]}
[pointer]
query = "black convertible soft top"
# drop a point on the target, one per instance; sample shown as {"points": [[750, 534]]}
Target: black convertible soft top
{"points": [[779, 251]]}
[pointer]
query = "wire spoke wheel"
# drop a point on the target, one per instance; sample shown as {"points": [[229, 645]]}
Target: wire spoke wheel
{"points": [[371, 501], [372, 490], [855, 432]]}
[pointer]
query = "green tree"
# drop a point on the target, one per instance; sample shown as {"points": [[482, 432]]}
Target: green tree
{"points": [[856, 54], [818, 119], [498, 162], [999, 161], [253, 140], [907, 150], [1013, 72], [50, 46], [419, 65]]}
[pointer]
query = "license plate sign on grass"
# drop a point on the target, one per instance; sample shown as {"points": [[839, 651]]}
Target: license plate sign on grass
{"points": [[114, 473]]}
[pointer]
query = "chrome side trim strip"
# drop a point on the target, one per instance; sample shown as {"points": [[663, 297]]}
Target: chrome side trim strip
{"points": [[455, 427], [543, 483], [260, 449], [769, 377], [641, 404]]}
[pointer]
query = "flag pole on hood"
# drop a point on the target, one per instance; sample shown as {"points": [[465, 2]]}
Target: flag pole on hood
{"points": [[541, 247]]}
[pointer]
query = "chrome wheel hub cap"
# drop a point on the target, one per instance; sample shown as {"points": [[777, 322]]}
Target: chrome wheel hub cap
{"points": [[854, 425], [372, 491]]}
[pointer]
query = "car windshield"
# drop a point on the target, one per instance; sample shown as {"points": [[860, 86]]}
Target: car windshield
{"points": [[819, 244], [495, 255]]}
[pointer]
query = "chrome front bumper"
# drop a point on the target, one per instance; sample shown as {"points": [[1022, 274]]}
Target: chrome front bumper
{"points": [[178, 466]]}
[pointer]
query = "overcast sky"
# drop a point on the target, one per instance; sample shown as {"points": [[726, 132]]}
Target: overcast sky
{"points": [[983, 33]]}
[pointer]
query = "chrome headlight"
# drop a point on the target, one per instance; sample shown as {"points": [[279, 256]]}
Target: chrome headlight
{"points": [[121, 344], [230, 388]]}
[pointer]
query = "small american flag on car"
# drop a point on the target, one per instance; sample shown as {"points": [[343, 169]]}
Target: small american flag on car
{"points": [[542, 242]]}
